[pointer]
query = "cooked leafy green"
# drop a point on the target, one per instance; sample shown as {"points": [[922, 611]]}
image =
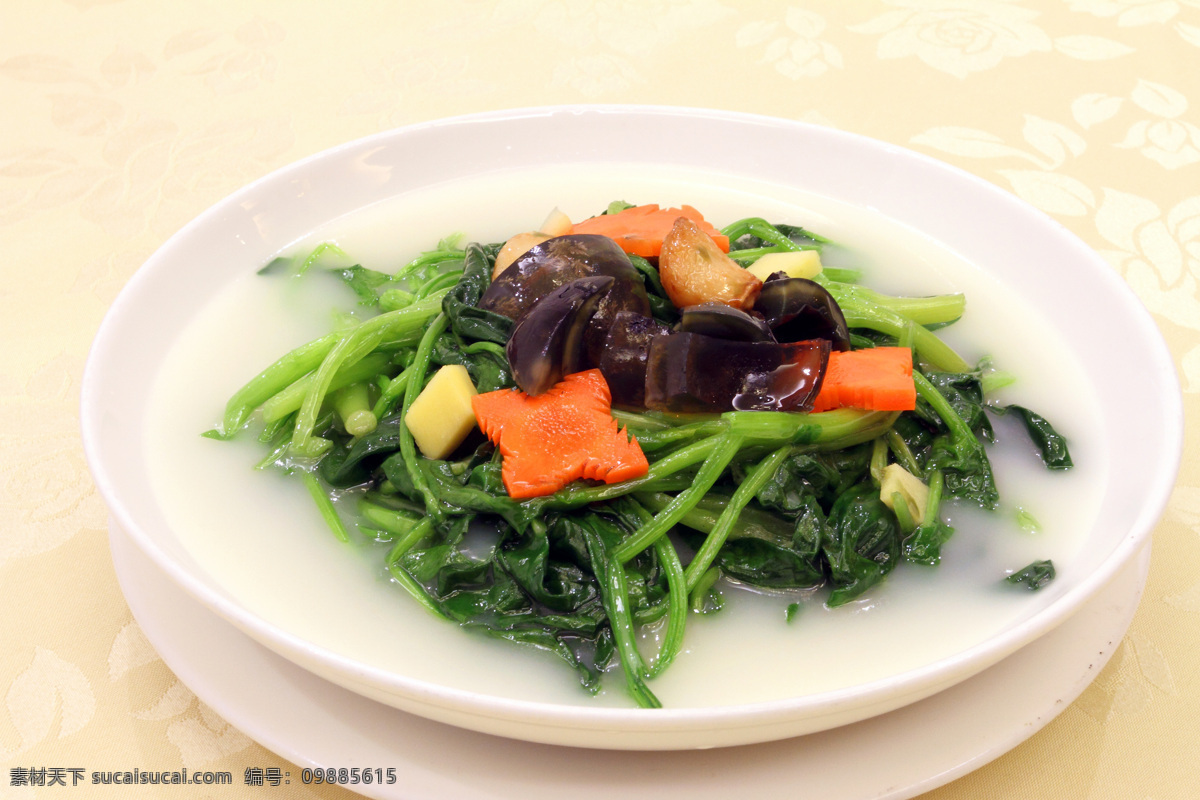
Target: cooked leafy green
{"points": [[786, 502], [365, 283], [660, 305], [865, 545], [1051, 444], [460, 304], [1034, 576]]}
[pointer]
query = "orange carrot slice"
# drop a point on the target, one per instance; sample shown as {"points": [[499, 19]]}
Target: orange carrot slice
{"points": [[876, 379], [562, 435], [640, 230]]}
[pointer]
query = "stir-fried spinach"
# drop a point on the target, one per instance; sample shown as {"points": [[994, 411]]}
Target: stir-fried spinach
{"points": [[773, 500]]}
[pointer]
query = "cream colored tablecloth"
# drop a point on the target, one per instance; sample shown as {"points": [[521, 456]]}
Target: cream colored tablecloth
{"points": [[120, 120]]}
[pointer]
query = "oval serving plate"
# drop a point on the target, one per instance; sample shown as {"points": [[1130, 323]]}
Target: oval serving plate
{"points": [[1102, 324]]}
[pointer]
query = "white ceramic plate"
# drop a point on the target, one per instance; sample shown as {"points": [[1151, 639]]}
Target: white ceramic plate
{"points": [[1058, 276], [313, 723]]}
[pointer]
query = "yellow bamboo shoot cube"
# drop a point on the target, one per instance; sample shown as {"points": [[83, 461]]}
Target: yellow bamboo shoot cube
{"points": [[441, 416], [794, 264]]}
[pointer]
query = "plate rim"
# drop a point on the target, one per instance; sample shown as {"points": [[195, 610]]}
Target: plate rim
{"points": [[664, 720]]}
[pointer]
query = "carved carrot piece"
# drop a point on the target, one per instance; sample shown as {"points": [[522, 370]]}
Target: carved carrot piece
{"points": [[640, 230], [876, 378], [560, 436]]}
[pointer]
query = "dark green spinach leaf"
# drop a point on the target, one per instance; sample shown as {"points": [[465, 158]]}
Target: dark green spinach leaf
{"points": [[1051, 445], [865, 545], [1034, 576], [460, 304]]}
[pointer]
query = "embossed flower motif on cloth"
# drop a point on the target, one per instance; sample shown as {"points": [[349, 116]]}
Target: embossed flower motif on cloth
{"points": [[40, 500], [1158, 253], [1168, 140], [797, 52], [50, 698], [201, 736], [1131, 12], [230, 64], [1052, 145], [605, 36], [630, 27], [596, 75], [956, 37]]}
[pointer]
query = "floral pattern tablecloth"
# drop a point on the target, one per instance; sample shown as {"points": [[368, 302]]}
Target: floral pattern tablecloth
{"points": [[123, 119]]}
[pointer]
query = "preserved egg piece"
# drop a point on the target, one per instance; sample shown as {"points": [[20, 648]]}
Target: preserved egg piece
{"points": [[724, 322], [547, 341], [797, 309], [626, 351], [560, 260], [690, 372], [694, 270]]}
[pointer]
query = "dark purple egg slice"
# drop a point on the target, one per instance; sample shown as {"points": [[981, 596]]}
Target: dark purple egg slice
{"points": [[689, 372]]}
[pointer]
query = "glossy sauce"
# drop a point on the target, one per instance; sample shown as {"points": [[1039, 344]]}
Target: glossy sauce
{"points": [[259, 536]]}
